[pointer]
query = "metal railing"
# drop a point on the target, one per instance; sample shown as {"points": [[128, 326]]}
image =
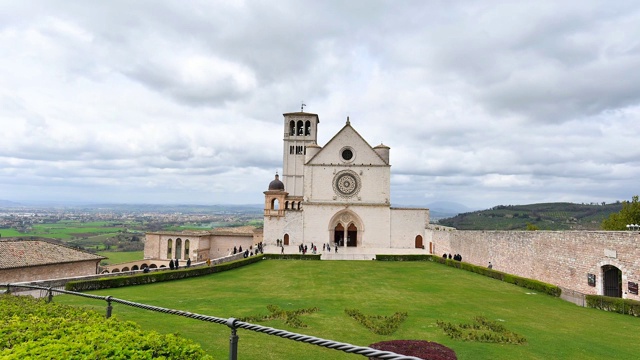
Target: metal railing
{"points": [[232, 323]]}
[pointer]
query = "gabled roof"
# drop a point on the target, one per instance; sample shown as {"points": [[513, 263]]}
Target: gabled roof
{"points": [[246, 230], [23, 253], [347, 127]]}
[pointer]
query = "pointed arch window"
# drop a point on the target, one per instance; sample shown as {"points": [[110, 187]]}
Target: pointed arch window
{"points": [[186, 249], [169, 249], [307, 128]]}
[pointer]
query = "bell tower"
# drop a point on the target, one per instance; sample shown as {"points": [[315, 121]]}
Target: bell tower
{"points": [[300, 131]]}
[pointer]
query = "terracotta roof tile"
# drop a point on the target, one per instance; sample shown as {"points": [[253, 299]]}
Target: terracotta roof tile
{"points": [[22, 253]]}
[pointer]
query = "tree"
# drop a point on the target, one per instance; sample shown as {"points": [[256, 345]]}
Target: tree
{"points": [[630, 214], [532, 227]]}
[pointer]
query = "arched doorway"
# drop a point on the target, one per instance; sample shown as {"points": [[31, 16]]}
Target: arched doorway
{"points": [[612, 281], [338, 235], [352, 235], [286, 239], [346, 229], [419, 244]]}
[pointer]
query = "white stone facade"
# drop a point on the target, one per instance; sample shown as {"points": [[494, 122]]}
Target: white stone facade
{"points": [[338, 193]]}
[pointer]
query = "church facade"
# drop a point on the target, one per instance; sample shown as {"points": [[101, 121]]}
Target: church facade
{"points": [[338, 193]]}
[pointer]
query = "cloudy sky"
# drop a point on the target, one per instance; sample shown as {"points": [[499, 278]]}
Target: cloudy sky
{"points": [[482, 103]]}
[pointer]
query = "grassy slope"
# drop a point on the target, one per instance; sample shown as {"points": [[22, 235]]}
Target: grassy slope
{"points": [[546, 216], [426, 291], [117, 257]]}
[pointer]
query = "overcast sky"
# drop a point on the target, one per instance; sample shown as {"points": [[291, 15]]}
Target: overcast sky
{"points": [[483, 103]]}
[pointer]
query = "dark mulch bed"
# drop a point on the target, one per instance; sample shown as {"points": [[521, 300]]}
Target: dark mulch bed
{"points": [[426, 350]]}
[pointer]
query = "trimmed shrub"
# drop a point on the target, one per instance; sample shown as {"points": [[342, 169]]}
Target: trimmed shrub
{"points": [[290, 317], [291, 256], [378, 324], [614, 304], [418, 348], [64, 332], [481, 330], [532, 284], [403, 257], [157, 276]]}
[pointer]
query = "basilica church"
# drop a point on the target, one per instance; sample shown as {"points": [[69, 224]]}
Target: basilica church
{"points": [[338, 193]]}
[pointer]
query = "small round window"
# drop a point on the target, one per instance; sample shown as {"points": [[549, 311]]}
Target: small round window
{"points": [[347, 154]]}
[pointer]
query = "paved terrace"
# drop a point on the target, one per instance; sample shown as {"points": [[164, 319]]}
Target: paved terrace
{"points": [[347, 253]]}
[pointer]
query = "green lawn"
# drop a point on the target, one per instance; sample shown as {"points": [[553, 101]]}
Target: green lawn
{"points": [[117, 257], [427, 291], [69, 229]]}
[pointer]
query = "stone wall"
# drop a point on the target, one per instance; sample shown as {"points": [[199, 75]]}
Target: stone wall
{"points": [[562, 258], [406, 225], [53, 271]]}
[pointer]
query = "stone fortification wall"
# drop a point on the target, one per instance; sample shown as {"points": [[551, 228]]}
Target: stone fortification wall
{"points": [[563, 258]]}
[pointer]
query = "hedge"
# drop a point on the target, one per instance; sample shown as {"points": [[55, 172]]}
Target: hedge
{"points": [[157, 276], [33, 329], [614, 304], [403, 257], [291, 256], [532, 284]]}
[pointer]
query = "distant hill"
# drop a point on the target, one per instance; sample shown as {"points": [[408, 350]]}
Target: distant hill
{"points": [[546, 216], [7, 203]]}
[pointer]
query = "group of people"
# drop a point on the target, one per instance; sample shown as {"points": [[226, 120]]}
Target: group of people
{"points": [[250, 251], [456, 257], [175, 264], [303, 249]]}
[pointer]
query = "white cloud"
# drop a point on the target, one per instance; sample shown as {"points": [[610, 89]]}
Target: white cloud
{"points": [[481, 103]]}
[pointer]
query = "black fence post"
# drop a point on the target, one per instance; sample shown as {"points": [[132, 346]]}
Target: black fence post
{"points": [[233, 340], [109, 307]]}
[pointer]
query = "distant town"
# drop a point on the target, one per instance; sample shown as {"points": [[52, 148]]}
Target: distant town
{"points": [[120, 228]]}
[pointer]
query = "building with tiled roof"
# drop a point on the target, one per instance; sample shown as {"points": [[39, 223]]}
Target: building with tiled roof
{"points": [[29, 260], [200, 245]]}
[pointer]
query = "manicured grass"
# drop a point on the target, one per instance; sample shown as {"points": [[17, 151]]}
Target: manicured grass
{"points": [[117, 257], [427, 291]]}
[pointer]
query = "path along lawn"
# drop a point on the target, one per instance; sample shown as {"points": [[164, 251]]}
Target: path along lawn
{"points": [[427, 291]]}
